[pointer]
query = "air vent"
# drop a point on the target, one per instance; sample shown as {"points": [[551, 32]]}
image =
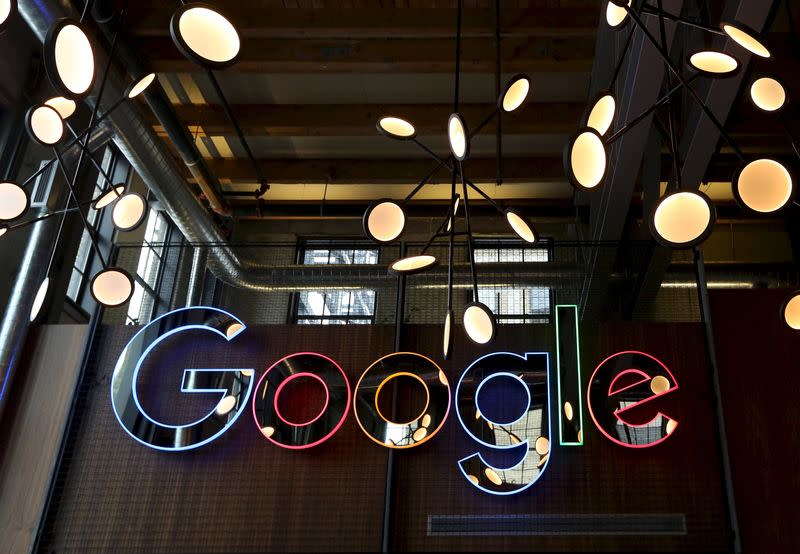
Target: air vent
{"points": [[557, 524], [42, 186]]}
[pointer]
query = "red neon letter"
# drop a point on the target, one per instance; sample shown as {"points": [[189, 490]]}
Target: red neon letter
{"points": [[620, 385]]}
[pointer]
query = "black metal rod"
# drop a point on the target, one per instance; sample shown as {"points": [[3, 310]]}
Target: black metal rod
{"points": [[73, 142], [424, 181], [650, 10], [477, 189], [450, 248], [673, 141], [74, 195], [685, 83], [430, 152], [46, 216], [388, 496], [458, 58], [638, 119], [621, 59], [705, 314], [235, 123], [497, 68], [438, 233], [91, 159], [469, 236], [86, 135], [485, 122], [791, 136]]}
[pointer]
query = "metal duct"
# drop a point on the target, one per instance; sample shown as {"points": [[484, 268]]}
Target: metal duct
{"points": [[150, 157], [31, 273]]}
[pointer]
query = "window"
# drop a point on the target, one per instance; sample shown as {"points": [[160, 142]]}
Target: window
{"points": [[336, 306], [514, 303], [78, 276], [144, 299]]}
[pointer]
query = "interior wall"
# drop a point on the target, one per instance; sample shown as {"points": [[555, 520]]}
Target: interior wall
{"points": [[242, 494], [43, 393], [759, 382]]}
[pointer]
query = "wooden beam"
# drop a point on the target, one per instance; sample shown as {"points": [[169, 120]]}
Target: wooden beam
{"points": [[387, 55], [385, 171], [542, 168], [255, 19], [359, 120]]}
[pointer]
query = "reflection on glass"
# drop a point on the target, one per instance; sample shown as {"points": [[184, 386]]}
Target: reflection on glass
{"points": [[233, 386], [297, 435], [568, 366], [526, 436], [401, 434], [619, 387]]}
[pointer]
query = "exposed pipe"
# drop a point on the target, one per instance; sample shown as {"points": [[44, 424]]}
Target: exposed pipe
{"points": [[194, 291], [31, 273], [149, 156]]}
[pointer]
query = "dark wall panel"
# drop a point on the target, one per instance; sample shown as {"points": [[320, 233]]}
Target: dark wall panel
{"points": [[243, 494], [680, 476], [239, 494], [760, 383]]}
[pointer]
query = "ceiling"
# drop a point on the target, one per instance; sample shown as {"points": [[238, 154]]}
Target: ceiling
{"points": [[315, 76]]}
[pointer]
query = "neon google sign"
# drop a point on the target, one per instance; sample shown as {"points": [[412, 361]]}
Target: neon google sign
{"points": [[620, 384]]}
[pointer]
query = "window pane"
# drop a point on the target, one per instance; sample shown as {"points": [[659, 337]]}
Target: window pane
{"points": [[315, 257], [363, 302], [311, 303]]}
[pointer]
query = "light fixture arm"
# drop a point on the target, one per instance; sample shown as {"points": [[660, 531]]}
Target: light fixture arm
{"points": [[485, 122], [653, 11], [499, 127], [470, 245], [638, 119], [74, 195], [790, 135], [684, 82], [673, 141], [97, 166], [450, 248], [424, 181], [73, 142], [262, 181]]}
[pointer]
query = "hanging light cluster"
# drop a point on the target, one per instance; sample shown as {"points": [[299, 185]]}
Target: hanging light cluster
{"points": [[70, 66], [682, 218], [385, 220]]}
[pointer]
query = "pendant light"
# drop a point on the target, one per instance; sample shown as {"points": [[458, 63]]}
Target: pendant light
{"points": [[384, 221], [447, 335], [747, 38], [514, 93], [479, 323], [8, 9], [69, 58], [141, 84], [205, 36], [616, 15], [109, 196], [413, 264], [521, 226], [713, 64], [682, 219], [38, 300], [601, 112], [768, 94], [763, 186], [112, 286], [14, 201], [585, 159], [396, 128], [458, 137], [129, 211], [64, 106], [790, 311], [44, 125]]}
